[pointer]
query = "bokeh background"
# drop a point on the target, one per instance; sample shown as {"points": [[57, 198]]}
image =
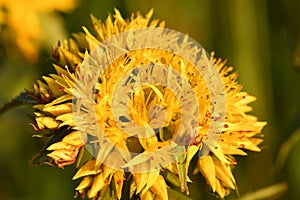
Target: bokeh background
{"points": [[260, 38]]}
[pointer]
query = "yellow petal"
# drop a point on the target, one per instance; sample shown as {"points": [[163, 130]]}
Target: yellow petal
{"points": [[218, 152], [220, 189], [48, 122], [59, 145], [85, 183], [53, 86], [147, 196], [74, 139], [59, 109], [207, 168], [191, 151], [229, 149], [162, 24], [81, 41], [140, 180], [38, 107], [148, 142], [119, 179], [69, 58], [107, 171], [43, 89], [67, 119], [150, 13], [92, 41], [97, 185], [87, 169], [119, 17], [225, 176], [60, 99], [61, 154], [152, 178], [160, 188], [74, 48]]}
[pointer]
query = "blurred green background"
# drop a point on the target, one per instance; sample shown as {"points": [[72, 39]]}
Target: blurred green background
{"points": [[260, 38]]}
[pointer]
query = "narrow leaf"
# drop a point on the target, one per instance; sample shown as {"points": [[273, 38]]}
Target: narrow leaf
{"points": [[271, 192], [22, 99], [285, 149]]}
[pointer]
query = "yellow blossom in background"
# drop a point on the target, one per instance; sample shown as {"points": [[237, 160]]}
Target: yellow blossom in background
{"points": [[21, 24], [54, 112], [296, 57]]}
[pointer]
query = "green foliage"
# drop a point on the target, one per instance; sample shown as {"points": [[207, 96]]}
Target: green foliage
{"points": [[260, 39], [271, 192], [23, 98]]}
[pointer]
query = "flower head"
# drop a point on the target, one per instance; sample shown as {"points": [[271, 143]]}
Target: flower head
{"points": [[155, 108]]}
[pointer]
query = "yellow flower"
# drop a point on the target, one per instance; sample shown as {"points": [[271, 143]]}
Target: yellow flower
{"points": [[22, 22], [151, 105]]}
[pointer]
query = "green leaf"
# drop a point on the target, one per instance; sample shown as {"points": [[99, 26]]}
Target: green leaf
{"points": [[176, 195], [285, 149], [22, 99], [271, 192], [171, 178], [41, 158], [180, 157]]}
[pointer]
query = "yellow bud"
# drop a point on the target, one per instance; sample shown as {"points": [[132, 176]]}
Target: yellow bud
{"points": [[92, 41], [74, 139], [147, 143], [60, 99], [80, 39], [207, 168], [118, 179], [69, 58], [152, 178], [147, 196], [218, 152], [53, 86], [61, 154], [140, 180], [48, 122], [192, 150], [160, 188], [85, 183], [119, 17], [43, 90], [59, 109], [107, 171], [98, 184], [223, 172], [67, 119], [220, 189], [59, 145], [87, 169]]}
